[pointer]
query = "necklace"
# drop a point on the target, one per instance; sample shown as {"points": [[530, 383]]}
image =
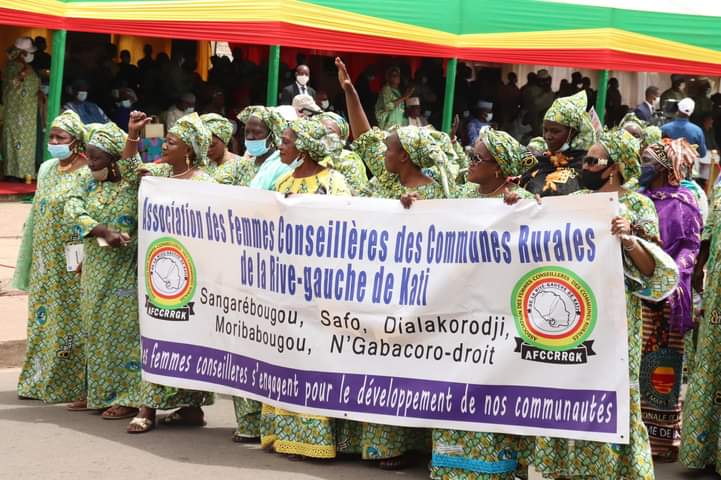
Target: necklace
{"points": [[70, 166], [181, 173], [495, 190]]}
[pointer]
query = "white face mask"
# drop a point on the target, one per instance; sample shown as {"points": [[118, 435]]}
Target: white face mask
{"points": [[115, 93], [82, 96], [656, 103], [489, 117], [101, 175], [189, 110], [126, 104], [29, 57], [45, 89], [296, 163], [302, 79], [324, 104]]}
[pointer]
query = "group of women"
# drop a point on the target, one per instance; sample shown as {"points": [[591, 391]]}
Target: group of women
{"points": [[83, 338]]}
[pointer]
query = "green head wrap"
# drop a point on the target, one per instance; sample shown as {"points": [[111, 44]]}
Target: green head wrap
{"points": [[571, 112], [340, 121], [194, 133], [219, 126], [426, 151], [623, 148], [272, 119], [70, 122], [508, 153], [109, 138], [313, 139], [651, 135]]}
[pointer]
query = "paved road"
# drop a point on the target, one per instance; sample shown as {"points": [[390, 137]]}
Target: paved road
{"points": [[46, 442]]}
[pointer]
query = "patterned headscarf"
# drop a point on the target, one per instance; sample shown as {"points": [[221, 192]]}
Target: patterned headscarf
{"points": [[537, 145], [622, 148], [678, 156], [194, 133], [338, 120], [219, 126], [571, 112], [269, 116], [313, 139], [425, 151], [632, 118], [109, 138], [70, 122], [651, 135], [505, 149]]}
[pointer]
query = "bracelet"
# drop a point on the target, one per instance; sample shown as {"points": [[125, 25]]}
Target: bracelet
{"points": [[134, 140], [628, 249]]}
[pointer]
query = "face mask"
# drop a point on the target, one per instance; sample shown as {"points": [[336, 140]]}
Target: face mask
{"points": [[324, 104], [29, 57], [115, 93], [648, 173], [302, 79], [45, 89], [466, 113], [126, 104], [61, 152], [566, 145], [592, 180], [295, 163], [257, 148], [82, 96], [489, 117], [189, 110], [656, 103], [101, 175]]}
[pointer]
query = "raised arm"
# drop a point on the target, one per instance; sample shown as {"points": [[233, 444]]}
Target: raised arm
{"points": [[138, 120], [359, 123]]}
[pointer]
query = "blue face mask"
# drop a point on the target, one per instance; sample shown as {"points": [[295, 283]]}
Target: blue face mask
{"points": [[648, 173], [61, 151], [256, 148]]}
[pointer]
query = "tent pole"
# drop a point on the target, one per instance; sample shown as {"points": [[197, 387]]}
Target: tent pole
{"points": [[450, 93], [57, 67], [273, 69], [601, 95]]}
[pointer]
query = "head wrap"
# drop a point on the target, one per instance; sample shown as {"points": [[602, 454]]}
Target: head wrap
{"points": [[632, 118], [537, 145], [425, 151], [194, 133], [70, 122], [651, 135], [678, 156], [505, 149], [338, 120], [622, 148], [571, 112], [219, 126], [272, 119], [109, 138], [313, 139]]}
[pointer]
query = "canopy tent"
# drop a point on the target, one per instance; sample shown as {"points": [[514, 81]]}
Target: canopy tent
{"points": [[600, 34]]}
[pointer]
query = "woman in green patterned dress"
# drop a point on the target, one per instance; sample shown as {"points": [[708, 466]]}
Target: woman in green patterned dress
{"points": [[185, 154], [649, 274], [304, 145], [263, 127], [701, 430], [349, 163], [218, 153], [103, 210], [480, 455], [408, 161], [20, 96], [54, 366]]}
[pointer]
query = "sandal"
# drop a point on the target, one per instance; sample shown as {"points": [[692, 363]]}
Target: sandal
{"points": [[177, 419], [238, 438], [81, 406], [141, 425], [395, 463], [119, 412]]}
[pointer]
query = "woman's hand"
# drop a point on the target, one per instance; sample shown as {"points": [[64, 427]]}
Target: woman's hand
{"points": [[116, 239], [407, 199], [136, 123], [409, 92], [620, 227], [454, 127], [343, 76]]}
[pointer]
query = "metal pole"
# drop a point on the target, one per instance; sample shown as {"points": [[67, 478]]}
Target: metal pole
{"points": [[273, 69], [57, 68], [601, 95], [450, 93]]}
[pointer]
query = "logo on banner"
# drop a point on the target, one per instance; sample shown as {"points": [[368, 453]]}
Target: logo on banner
{"points": [[555, 312], [170, 280]]}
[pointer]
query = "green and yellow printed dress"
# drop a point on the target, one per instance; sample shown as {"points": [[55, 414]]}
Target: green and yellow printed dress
{"points": [[568, 458], [376, 441], [161, 397], [19, 132], [288, 432], [701, 432], [469, 455], [353, 169], [54, 366], [108, 283]]}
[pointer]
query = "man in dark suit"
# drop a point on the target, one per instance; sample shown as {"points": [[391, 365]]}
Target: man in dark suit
{"points": [[299, 87], [646, 109]]}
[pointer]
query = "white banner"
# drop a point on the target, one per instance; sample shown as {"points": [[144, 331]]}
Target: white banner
{"points": [[464, 314]]}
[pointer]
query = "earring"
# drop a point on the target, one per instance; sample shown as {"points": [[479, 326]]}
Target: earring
{"points": [[610, 179], [498, 174], [187, 160]]}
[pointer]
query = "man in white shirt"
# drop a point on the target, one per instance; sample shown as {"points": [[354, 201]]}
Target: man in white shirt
{"points": [[413, 110], [299, 87], [184, 106]]}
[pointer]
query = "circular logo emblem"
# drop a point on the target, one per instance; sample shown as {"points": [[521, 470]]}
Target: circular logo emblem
{"points": [[169, 274], [553, 309]]}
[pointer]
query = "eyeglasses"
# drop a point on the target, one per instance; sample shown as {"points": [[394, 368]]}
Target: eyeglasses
{"points": [[475, 159], [589, 160]]}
